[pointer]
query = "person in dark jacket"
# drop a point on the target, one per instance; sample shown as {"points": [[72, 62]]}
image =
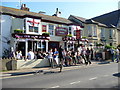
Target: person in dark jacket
{"points": [[60, 50], [87, 55]]}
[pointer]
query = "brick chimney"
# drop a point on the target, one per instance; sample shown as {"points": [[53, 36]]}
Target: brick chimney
{"points": [[23, 7]]}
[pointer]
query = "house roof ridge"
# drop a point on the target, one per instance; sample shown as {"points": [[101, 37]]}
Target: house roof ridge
{"points": [[10, 10]]}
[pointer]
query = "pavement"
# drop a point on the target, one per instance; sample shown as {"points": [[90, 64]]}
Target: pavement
{"points": [[48, 69]]}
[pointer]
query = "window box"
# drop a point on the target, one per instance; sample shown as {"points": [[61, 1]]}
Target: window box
{"points": [[18, 31], [46, 34], [69, 35]]}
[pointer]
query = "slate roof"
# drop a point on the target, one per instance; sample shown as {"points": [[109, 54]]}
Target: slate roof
{"points": [[79, 18], [110, 19], [86, 21], [22, 13]]}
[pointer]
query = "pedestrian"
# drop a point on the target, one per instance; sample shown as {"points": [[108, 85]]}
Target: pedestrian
{"points": [[39, 55], [19, 55], [83, 54], [55, 56], [50, 58], [91, 54], [87, 55], [78, 58], [117, 55], [64, 57], [112, 52], [12, 53], [73, 55], [30, 55], [60, 50]]}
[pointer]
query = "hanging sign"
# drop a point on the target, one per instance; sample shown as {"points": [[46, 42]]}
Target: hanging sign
{"points": [[61, 31]]}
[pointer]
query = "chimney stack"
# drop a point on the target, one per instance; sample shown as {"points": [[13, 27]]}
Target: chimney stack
{"points": [[58, 13], [23, 7]]}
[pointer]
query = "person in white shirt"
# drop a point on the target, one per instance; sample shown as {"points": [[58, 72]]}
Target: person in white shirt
{"points": [[30, 55], [19, 55], [50, 58], [117, 55]]}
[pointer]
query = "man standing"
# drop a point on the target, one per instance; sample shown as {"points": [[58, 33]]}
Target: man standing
{"points": [[60, 50], [87, 55], [112, 52]]}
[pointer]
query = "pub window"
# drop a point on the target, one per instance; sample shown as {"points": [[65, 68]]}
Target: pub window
{"points": [[94, 31], [33, 29], [89, 31], [74, 32], [110, 33], [70, 30], [44, 28], [51, 29], [102, 32]]}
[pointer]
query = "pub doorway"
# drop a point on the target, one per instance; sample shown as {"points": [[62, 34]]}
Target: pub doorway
{"points": [[53, 45], [32, 45], [21, 47]]}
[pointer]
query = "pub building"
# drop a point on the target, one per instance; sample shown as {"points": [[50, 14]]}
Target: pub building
{"points": [[25, 30]]}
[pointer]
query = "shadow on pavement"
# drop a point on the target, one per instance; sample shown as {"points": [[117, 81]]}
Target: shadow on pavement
{"points": [[51, 72]]}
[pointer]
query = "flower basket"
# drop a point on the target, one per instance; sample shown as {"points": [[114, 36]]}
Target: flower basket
{"points": [[46, 34], [18, 31], [69, 35]]}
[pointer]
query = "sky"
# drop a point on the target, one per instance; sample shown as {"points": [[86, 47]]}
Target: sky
{"points": [[82, 8]]}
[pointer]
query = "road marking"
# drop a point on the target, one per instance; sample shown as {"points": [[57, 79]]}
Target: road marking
{"points": [[75, 82], [55, 87], [93, 78], [114, 72], [106, 75]]}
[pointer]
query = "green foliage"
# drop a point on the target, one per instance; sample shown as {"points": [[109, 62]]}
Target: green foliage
{"points": [[69, 35], [99, 44], [84, 37], [18, 31], [46, 34], [108, 47]]}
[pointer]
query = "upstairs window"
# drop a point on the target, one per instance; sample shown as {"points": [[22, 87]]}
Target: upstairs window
{"points": [[51, 29], [89, 31], [94, 31], [102, 32], [110, 33], [70, 30], [33, 29]]}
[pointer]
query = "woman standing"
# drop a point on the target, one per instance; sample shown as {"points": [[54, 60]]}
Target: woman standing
{"points": [[50, 58]]}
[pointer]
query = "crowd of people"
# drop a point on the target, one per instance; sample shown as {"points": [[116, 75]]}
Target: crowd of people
{"points": [[71, 57]]}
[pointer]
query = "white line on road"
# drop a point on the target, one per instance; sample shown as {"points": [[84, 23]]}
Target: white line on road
{"points": [[106, 75], [55, 87], [93, 78], [75, 82]]}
